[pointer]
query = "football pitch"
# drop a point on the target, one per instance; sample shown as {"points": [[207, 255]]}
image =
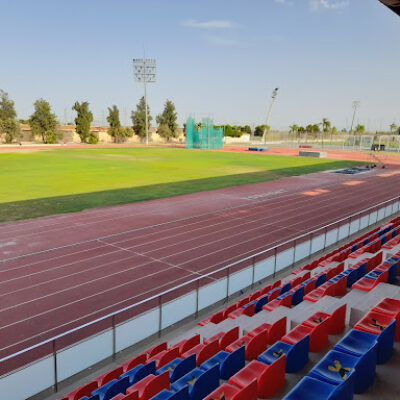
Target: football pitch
{"points": [[46, 182]]}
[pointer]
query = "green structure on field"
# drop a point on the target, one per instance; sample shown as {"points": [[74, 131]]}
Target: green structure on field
{"points": [[204, 135]]}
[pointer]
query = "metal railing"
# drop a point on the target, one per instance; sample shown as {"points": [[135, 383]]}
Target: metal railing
{"points": [[246, 262]]}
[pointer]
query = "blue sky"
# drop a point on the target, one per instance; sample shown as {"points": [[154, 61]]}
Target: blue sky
{"points": [[215, 57]]}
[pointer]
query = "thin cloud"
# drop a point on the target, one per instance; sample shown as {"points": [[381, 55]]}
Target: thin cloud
{"points": [[212, 24], [284, 2], [218, 41], [328, 5]]}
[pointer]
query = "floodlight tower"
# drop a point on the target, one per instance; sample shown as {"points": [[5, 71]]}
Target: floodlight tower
{"points": [[273, 98], [356, 105], [145, 71]]}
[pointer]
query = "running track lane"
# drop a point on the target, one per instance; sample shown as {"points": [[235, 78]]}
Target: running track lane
{"points": [[49, 292]]}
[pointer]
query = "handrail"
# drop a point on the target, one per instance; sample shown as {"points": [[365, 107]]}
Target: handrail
{"points": [[115, 313]]}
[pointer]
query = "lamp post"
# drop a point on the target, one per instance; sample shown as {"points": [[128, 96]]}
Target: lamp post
{"points": [[144, 70], [356, 105], [273, 98]]}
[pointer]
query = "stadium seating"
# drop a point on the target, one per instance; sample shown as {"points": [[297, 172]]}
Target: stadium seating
{"points": [[192, 369]]}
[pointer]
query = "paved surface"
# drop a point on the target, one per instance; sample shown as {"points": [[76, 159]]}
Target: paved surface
{"points": [[59, 272]]}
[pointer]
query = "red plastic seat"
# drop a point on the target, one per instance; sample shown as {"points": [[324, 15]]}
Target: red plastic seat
{"points": [[156, 349], [274, 331], [229, 392], [318, 335], [390, 307], [296, 281], [272, 305], [133, 362], [243, 302], [310, 286], [336, 320], [266, 289], [82, 391], [203, 351], [224, 338], [374, 322], [326, 289], [276, 284], [374, 261], [109, 376], [186, 344], [255, 345], [228, 310], [341, 286], [270, 378], [249, 311], [132, 396], [149, 386], [164, 357], [306, 276], [255, 295], [215, 319]]}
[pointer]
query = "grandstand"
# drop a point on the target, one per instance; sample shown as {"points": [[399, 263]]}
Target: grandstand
{"points": [[324, 331]]}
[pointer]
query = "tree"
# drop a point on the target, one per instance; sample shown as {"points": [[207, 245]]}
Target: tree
{"points": [[259, 130], [247, 129], [83, 120], [165, 132], [8, 122], [326, 125], [7, 109], [294, 129], [232, 131], [11, 128], [119, 133], [334, 130], [139, 118], [393, 127], [360, 129], [43, 122], [167, 119]]}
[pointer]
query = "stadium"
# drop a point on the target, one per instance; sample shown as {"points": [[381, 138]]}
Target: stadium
{"points": [[200, 265]]}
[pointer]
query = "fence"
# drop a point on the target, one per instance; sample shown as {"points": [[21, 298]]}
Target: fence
{"points": [[64, 355]]}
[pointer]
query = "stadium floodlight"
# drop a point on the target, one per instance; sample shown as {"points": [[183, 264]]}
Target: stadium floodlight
{"points": [[356, 105], [144, 70], [273, 98]]}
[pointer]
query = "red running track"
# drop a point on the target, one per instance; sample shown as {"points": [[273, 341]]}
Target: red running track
{"points": [[60, 272]]}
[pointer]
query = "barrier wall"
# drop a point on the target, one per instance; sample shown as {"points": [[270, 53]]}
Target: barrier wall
{"points": [[62, 364]]}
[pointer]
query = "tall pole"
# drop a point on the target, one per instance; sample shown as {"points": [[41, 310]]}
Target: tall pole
{"points": [[145, 105], [274, 94], [356, 104]]}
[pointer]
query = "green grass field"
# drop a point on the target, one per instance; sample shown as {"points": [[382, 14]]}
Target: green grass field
{"points": [[48, 182]]}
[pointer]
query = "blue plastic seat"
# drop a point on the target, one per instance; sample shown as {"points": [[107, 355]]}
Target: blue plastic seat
{"points": [[352, 276], [200, 383], [96, 397], [314, 389], [393, 269], [361, 270], [229, 363], [178, 367], [320, 280], [117, 388], [364, 346], [260, 303], [139, 372], [374, 274], [101, 391], [297, 296], [165, 394], [285, 288], [296, 355], [336, 367]]}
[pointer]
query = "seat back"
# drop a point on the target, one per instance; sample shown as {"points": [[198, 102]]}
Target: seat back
{"points": [[337, 320], [261, 301], [82, 391], [206, 383], [320, 280], [229, 337], [297, 296], [152, 351], [277, 330], [140, 359], [285, 288], [249, 392], [272, 379], [229, 309], [256, 345], [143, 371], [156, 385], [117, 388], [188, 344], [207, 352], [234, 362], [183, 367], [109, 376], [217, 317], [167, 357]]}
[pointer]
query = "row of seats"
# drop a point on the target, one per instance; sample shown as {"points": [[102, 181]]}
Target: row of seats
{"points": [[350, 367], [191, 369]]}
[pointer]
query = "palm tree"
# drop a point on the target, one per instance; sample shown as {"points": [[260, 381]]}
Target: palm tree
{"points": [[393, 127], [294, 129], [326, 125]]}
